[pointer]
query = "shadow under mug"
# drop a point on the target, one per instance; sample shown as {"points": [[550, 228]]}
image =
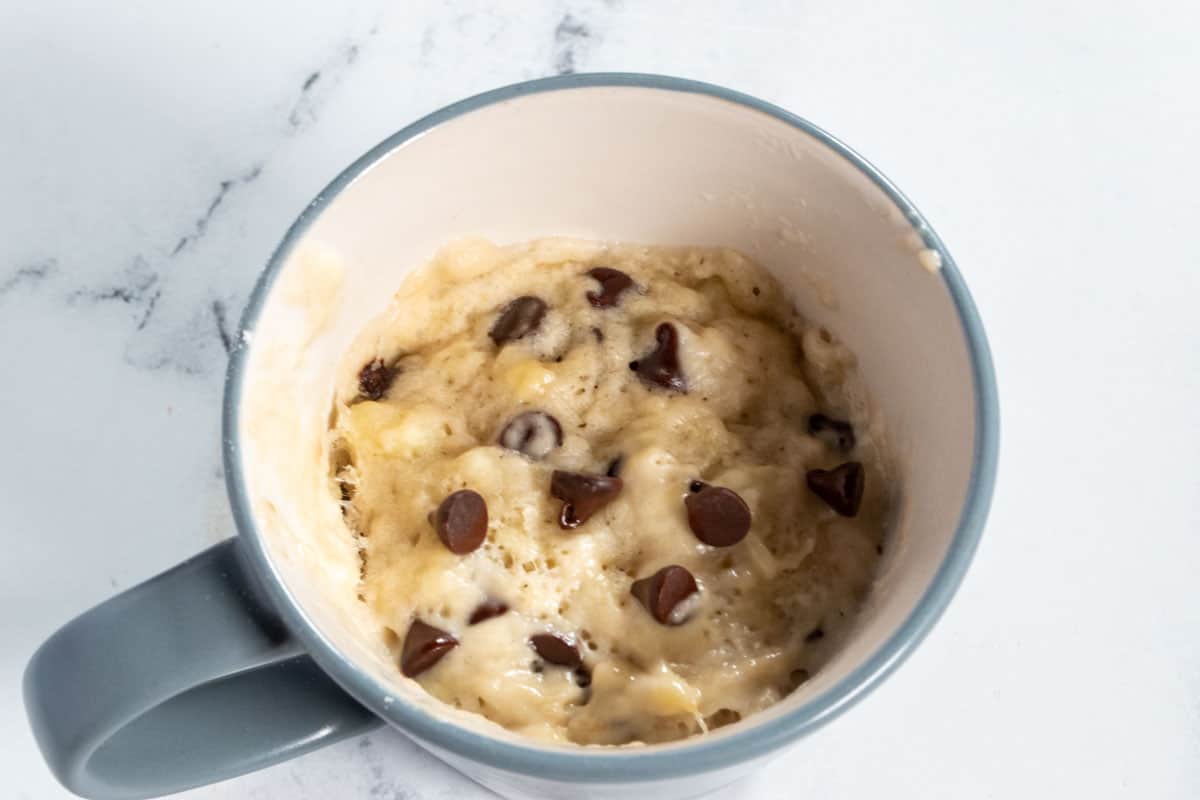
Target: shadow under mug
{"points": [[234, 660]]}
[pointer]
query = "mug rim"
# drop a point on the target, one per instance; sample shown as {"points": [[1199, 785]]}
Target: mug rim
{"points": [[697, 754]]}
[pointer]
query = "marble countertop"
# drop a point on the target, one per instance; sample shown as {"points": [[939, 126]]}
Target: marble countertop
{"points": [[153, 153]]}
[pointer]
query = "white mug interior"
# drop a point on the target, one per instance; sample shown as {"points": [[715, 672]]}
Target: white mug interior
{"points": [[652, 164]]}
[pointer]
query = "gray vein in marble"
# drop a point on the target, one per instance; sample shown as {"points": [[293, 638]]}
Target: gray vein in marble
{"points": [[200, 226], [140, 286], [183, 339], [379, 786], [161, 362], [188, 347], [137, 288], [219, 316], [148, 311], [316, 87], [571, 36], [29, 275]]}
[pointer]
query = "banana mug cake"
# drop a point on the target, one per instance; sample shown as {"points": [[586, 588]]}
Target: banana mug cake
{"points": [[606, 494]]}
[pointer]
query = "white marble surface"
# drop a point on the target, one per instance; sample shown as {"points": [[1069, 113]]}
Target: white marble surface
{"points": [[152, 154]]}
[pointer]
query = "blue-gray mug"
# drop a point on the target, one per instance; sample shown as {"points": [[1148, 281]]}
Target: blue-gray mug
{"points": [[257, 650]]}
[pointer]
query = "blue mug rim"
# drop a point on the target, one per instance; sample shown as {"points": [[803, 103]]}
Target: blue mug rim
{"points": [[698, 754]]}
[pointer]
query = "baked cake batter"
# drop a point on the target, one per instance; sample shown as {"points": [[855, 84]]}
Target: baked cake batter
{"points": [[606, 494]]}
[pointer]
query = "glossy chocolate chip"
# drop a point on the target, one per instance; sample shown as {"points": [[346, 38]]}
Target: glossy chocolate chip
{"points": [[461, 521], [614, 467], [424, 646], [532, 433], [660, 367], [375, 378], [841, 487], [582, 495], [798, 676], [519, 318], [669, 595], [696, 486], [612, 283], [486, 610], [556, 650], [718, 516], [834, 432]]}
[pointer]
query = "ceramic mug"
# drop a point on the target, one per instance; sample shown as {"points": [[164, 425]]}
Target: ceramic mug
{"points": [[257, 650]]}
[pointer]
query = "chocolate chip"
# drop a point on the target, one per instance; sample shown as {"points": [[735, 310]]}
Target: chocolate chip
{"points": [[461, 521], [614, 467], [424, 646], [660, 367], [612, 283], [519, 318], [486, 610], [556, 650], [718, 516], [582, 495], [696, 486], [815, 635], [834, 432], [841, 487], [669, 594], [375, 379], [532, 433]]}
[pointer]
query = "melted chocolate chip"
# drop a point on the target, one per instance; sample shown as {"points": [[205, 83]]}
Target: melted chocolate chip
{"points": [[461, 521], [815, 635], [718, 516], [834, 432], [668, 594], [614, 467], [519, 318], [486, 610], [532, 433], [612, 283], [424, 646], [582, 495], [660, 367], [841, 487], [556, 650], [375, 379]]}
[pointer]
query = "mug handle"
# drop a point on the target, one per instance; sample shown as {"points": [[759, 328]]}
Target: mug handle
{"points": [[186, 679]]}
